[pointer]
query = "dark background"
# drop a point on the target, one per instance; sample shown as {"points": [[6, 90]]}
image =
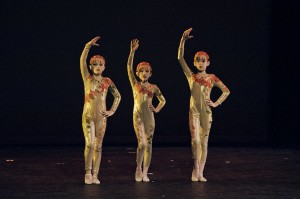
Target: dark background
{"points": [[251, 44]]}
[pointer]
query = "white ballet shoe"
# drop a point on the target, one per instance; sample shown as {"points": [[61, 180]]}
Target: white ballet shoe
{"points": [[88, 179], [194, 177], [138, 176], [145, 178], [201, 168], [202, 179], [95, 180]]}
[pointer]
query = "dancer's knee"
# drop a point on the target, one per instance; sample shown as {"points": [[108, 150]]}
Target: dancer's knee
{"points": [[142, 145], [89, 145], [98, 148]]}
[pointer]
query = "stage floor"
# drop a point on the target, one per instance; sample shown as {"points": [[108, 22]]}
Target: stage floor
{"points": [[58, 172]]}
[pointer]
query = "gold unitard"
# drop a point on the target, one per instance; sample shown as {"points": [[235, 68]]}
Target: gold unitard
{"points": [[93, 122], [200, 114], [143, 117]]}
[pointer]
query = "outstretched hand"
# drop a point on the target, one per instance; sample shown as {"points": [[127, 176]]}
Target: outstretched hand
{"points": [[93, 42], [186, 34], [134, 44]]}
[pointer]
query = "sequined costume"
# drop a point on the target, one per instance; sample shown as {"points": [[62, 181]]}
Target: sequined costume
{"points": [[93, 122], [143, 117], [200, 114]]}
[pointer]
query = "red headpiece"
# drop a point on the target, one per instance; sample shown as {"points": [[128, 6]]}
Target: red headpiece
{"points": [[201, 53], [95, 57], [142, 64]]}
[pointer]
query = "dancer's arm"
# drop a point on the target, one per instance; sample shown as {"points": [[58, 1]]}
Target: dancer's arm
{"points": [[117, 98], [83, 57], [133, 47], [225, 92], [161, 99], [186, 35]]}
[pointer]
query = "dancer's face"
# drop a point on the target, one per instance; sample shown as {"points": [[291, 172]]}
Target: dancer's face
{"points": [[144, 73], [97, 66], [201, 62]]}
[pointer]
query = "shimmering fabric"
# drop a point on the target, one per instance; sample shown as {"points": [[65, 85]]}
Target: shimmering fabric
{"points": [[200, 114], [93, 122], [143, 117]]}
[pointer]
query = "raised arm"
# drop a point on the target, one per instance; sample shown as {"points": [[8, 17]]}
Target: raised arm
{"points": [[84, 54], [134, 44], [185, 36]]}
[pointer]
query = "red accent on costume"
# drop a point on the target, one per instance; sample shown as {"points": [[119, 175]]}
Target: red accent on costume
{"points": [[144, 90]]}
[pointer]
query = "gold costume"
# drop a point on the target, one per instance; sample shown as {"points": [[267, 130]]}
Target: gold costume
{"points": [[200, 114], [93, 122], [143, 117]]}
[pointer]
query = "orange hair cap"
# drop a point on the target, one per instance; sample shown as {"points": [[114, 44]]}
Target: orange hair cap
{"points": [[95, 57], [201, 53], [139, 66]]}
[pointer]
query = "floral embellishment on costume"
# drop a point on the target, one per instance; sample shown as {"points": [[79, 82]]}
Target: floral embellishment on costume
{"points": [[225, 88], [105, 83], [205, 81], [90, 77], [149, 139], [143, 90], [101, 87], [216, 79]]}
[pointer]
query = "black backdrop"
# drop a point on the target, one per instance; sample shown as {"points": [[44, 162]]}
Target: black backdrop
{"points": [[42, 90]]}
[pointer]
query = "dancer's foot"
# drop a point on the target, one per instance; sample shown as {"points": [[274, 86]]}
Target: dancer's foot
{"points": [[194, 177], [138, 175], [145, 178], [202, 179], [88, 179], [201, 168], [95, 179]]}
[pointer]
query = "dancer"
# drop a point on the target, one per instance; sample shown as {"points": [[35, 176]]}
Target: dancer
{"points": [[94, 116], [143, 117], [200, 113]]}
